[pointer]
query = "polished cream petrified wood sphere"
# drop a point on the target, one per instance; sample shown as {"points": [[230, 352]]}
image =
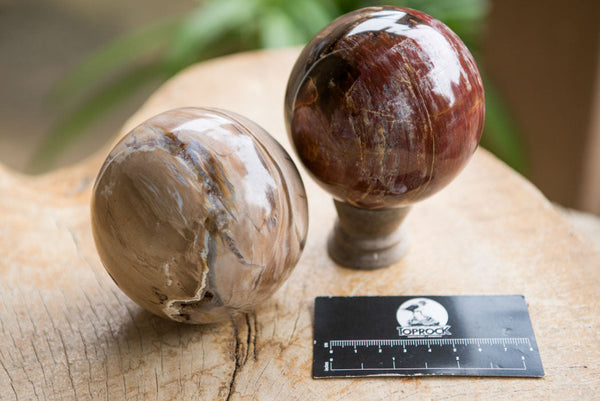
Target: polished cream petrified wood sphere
{"points": [[199, 214], [384, 106]]}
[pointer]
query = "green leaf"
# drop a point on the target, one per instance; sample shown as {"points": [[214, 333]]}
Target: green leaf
{"points": [[203, 28], [71, 127], [500, 134], [310, 15], [346, 6], [112, 57], [278, 30]]}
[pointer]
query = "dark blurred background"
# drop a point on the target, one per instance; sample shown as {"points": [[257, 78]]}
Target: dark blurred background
{"points": [[72, 71]]}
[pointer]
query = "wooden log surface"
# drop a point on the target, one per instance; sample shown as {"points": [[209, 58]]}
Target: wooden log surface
{"points": [[67, 332]]}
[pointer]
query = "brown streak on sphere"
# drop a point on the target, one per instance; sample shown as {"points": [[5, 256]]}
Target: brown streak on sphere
{"points": [[199, 214], [384, 107]]}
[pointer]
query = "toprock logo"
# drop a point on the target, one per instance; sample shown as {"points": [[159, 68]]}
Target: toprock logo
{"points": [[422, 317]]}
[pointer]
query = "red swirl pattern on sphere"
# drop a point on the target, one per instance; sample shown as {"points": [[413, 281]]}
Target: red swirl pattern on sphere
{"points": [[385, 106]]}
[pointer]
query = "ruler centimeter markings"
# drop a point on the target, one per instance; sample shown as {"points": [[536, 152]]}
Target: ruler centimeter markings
{"points": [[402, 344], [425, 343], [429, 342]]}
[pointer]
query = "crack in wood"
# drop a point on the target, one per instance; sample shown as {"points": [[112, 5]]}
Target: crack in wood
{"points": [[243, 346]]}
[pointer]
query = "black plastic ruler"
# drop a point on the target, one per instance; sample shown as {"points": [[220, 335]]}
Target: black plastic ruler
{"points": [[424, 335]]}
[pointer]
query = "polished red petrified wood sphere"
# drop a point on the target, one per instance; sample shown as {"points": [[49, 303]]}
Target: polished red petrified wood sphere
{"points": [[384, 107]]}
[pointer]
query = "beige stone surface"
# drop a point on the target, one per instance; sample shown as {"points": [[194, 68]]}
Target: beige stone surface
{"points": [[67, 332]]}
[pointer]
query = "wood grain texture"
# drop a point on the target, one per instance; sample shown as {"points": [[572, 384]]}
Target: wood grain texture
{"points": [[67, 332]]}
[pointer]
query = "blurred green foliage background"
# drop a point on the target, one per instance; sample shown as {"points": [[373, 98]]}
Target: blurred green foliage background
{"points": [[219, 27]]}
